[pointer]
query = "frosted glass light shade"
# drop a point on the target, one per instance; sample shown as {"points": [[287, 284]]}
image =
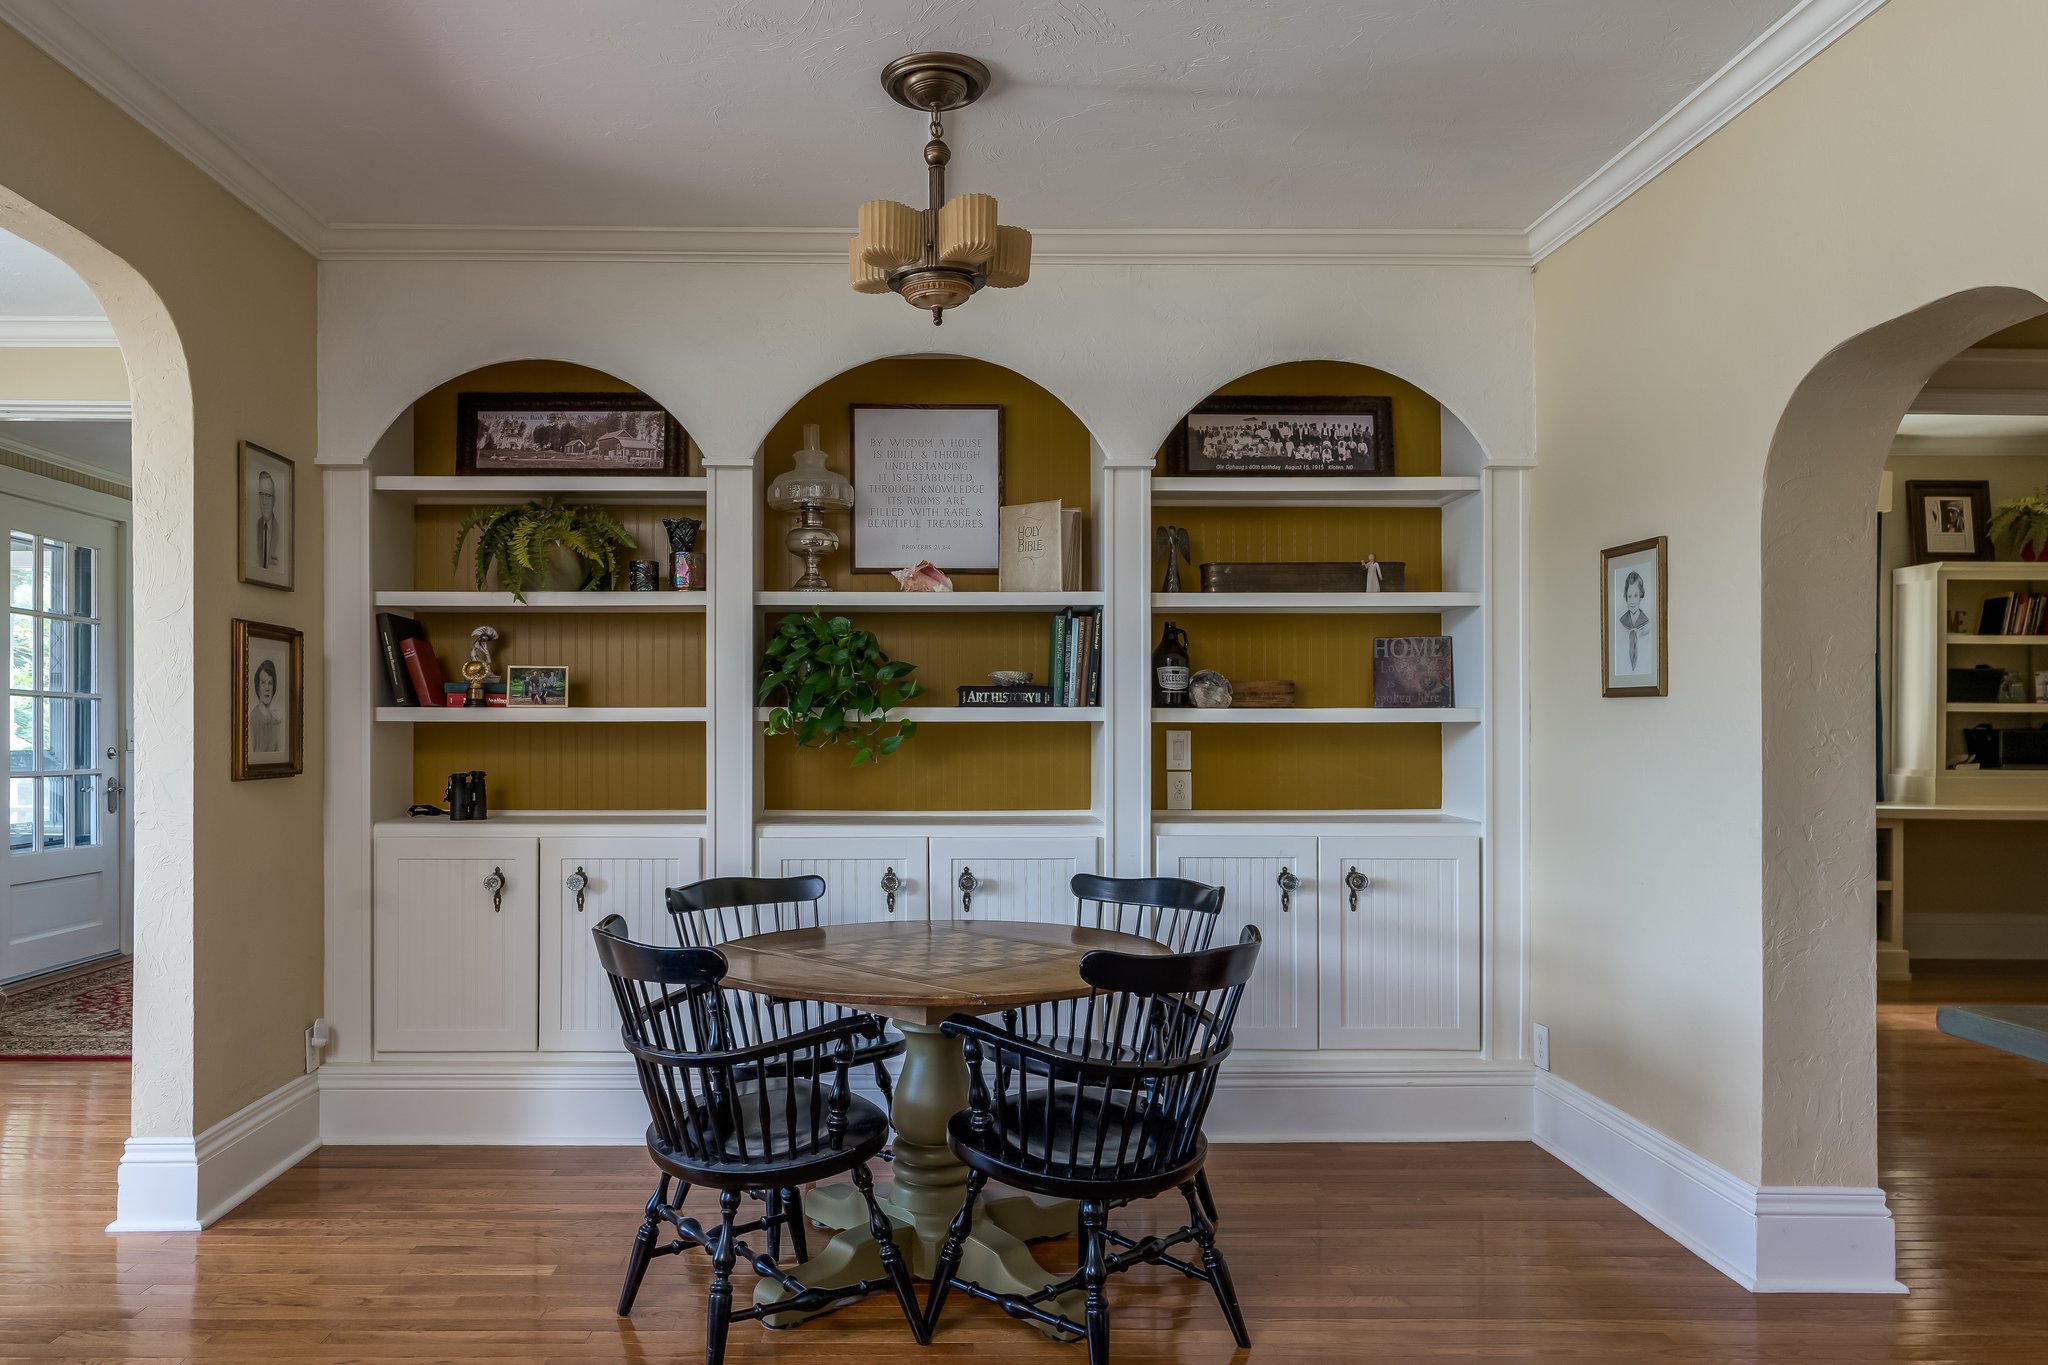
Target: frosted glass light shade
{"points": [[967, 230], [1012, 264], [867, 279], [810, 483], [891, 234]]}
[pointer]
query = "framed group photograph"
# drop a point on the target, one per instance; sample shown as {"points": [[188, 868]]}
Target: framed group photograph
{"points": [[270, 701], [566, 433], [536, 685], [1342, 437], [267, 487], [927, 485], [1949, 519], [1634, 654]]}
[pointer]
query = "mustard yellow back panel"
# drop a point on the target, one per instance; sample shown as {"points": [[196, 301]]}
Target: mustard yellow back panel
{"points": [[566, 767]]}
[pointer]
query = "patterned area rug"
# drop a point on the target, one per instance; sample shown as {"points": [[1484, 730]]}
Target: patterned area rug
{"points": [[83, 1018]]}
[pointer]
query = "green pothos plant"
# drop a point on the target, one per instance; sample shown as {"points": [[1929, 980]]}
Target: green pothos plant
{"points": [[517, 540], [835, 684]]}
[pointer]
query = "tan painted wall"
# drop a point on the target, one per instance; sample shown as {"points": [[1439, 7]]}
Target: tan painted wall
{"points": [[1670, 337], [89, 374], [241, 297]]}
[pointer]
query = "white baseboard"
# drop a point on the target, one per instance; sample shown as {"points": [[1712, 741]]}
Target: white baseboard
{"points": [[1999, 938], [599, 1104], [185, 1184], [1769, 1239]]}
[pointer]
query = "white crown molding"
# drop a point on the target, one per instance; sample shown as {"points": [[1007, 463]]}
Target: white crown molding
{"points": [[1803, 34], [1970, 447], [2000, 402], [29, 450], [48, 26], [827, 246], [26, 330], [65, 410]]}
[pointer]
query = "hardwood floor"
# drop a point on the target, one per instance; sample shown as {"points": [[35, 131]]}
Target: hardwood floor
{"points": [[1354, 1253]]}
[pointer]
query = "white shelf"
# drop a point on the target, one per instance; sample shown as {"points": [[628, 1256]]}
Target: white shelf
{"points": [[1994, 570], [928, 601], [485, 490], [1335, 603], [1307, 821], [1996, 708], [539, 715], [1316, 715], [981, 715], [1311, 491], [2023, 641], [545, 601]]}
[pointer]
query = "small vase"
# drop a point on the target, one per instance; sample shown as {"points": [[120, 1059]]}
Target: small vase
{"points": [[2034, 550]]}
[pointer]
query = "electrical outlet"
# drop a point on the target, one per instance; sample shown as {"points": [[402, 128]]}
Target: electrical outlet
{"points": [[1180, 791], [1180, 754], [1542, 1048], [317, 1038]]}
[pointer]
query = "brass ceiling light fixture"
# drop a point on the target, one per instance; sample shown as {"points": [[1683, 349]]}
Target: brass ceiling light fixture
{"points": [[941, 256]]}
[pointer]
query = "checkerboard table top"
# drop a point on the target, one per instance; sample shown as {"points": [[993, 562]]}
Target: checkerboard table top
{"points": [[919, 972]]}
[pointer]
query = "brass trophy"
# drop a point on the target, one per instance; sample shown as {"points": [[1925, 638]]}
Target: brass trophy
{"points": [[474, 671]]}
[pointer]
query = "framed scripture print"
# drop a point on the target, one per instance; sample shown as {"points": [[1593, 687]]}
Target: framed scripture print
{"points": [[1634, 654], [268, 489], [270, 701], [1949, 519], [927, 485]]}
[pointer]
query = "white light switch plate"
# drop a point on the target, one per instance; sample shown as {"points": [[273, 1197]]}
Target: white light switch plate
{"points": [[1180, 754], [1180, 791]]}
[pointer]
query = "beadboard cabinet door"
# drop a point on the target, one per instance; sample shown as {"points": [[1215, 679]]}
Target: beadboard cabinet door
{"points": [[1400, 943], [866, 878], [582, 881], [456, 933], [1269, 881], [1011, 879]]}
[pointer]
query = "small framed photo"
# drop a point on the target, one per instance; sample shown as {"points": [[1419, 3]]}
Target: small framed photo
{"points": [[268, 487], [1949, 520], [566, 433], [1340, 436], [1634, 640], [536, 685], [270, 701]]}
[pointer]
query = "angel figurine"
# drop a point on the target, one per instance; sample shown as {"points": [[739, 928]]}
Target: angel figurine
{"points": [[1172, 542], [480, 649]]}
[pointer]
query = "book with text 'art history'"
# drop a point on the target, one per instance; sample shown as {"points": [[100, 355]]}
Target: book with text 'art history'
{"points": [[1040, 547]]}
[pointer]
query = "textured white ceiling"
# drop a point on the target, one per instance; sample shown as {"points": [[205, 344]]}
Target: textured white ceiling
{"points": [[35, 284], [1420, 114], [100, 445]]}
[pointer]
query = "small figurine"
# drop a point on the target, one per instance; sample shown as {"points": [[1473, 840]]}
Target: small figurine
{"points": [[480, 641], [1172, 542], [1372, 573]]}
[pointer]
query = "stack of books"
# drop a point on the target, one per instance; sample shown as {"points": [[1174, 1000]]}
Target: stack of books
{"points": [[1074, 661], [2014, 613]]}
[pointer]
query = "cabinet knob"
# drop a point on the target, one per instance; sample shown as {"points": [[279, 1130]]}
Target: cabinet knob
{"points": [[1358, 882], [495, 884], [576, 881], [969, 884], [891, 884], [1288, 884]]}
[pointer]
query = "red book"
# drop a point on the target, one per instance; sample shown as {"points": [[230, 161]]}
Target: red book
{"points": [[423, 666]]}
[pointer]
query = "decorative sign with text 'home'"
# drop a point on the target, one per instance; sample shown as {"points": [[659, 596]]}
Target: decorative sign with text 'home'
{"points": [[927, 484]]}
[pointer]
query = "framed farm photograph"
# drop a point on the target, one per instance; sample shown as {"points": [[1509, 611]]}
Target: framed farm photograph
{"points": [[566, 433], [1634, 641]]}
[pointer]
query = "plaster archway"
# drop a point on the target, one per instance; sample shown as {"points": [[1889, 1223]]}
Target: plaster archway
{"points": [[160, 392], [1819, 636]]}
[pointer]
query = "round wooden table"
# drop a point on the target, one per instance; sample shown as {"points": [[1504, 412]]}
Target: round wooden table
{"points": [[917, 974]]}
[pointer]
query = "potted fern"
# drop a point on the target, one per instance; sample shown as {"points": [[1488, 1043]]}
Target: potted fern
{"points": [[2025, 519], [546, 545], [836, 684]]}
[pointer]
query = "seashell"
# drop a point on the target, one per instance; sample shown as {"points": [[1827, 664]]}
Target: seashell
{"points": [[1209, 690]]}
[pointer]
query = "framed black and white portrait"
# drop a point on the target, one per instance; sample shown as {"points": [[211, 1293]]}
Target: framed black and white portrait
{"points": [[1634, 638], [268, 489], [270, 701], [1949, 519], [1267, 437]]}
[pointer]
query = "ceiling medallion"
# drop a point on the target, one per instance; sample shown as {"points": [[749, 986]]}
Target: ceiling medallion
{"points": [[938, 257]]}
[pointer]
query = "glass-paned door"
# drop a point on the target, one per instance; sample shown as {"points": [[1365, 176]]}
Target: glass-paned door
{"points": [[66, 740]]}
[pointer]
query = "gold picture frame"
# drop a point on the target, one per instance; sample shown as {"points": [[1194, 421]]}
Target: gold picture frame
{"points": [[1635, 636], [268, 744]]}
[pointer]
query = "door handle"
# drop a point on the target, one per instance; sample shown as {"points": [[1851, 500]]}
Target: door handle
{"points": [[495, 884], [1288, 884], [1358, 882], [576, 882], [969, 884], [113, 794], [891, 884]]}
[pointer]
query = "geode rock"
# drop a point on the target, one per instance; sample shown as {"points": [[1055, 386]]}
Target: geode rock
{"points": [[1209, 690]]}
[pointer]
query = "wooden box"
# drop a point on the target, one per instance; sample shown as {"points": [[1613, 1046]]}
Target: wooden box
{"points": [[1262, 694], [1344, 575]]}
